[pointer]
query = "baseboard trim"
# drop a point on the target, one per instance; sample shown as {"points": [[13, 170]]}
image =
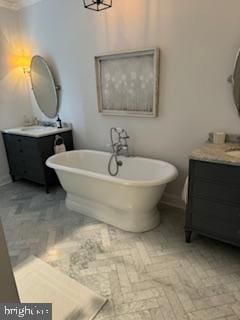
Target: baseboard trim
{"points": [[173, 201], [5, 180]]}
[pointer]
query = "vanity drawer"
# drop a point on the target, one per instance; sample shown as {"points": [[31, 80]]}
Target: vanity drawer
{"points": [[215, 218], [16, 141], [216, 172], [216, 191], [24, 163], [34, 173], [21, 147]]}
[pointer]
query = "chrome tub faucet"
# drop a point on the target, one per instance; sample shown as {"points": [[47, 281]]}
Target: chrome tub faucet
{"points": [[119, 147]]}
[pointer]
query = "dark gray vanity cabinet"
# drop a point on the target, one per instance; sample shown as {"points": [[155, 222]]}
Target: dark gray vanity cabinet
{"points": [[27, 156], [214, 201]]}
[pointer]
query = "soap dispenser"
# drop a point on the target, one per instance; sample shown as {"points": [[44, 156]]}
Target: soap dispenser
{"points": [[59, 122]]}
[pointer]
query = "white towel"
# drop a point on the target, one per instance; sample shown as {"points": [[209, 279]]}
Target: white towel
{"points": [[60, 148]]}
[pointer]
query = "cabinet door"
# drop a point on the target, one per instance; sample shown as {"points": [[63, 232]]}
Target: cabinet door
{"points": [[214, 200], [218, 219]]}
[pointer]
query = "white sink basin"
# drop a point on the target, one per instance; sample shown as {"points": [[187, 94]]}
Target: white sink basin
{"points": [[234, 153], [37, 128], [36, 131]]}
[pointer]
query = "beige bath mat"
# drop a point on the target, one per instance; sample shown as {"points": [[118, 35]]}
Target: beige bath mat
{"points": [[38, 282]]}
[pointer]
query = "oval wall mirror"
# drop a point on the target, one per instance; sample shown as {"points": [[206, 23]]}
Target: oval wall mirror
{"points": [[44, 87], [235, 80]]}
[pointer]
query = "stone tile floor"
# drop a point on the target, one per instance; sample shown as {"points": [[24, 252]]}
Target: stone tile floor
{"points": [[153, 275]]}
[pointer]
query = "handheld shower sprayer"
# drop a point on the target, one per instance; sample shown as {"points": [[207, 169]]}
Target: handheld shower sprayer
{"points": [[117, 147]]}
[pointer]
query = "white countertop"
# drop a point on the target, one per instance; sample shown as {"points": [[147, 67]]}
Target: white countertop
{"points": [[36, 131]]}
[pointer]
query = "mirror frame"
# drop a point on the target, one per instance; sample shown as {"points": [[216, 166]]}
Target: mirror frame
{"points": [[51, 77], [232, 79]]}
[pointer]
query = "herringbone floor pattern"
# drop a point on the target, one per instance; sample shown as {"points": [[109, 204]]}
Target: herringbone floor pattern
{"points": [[148, 276]]}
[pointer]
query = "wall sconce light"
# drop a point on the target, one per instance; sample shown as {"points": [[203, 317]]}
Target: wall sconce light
{"points": [[97, 5], [23, 62]]}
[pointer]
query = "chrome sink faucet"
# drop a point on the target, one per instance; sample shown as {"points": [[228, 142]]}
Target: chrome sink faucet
{"points": [[119, 147]]}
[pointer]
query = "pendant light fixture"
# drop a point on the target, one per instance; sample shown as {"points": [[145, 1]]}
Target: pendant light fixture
{"points": [[97, 5]]}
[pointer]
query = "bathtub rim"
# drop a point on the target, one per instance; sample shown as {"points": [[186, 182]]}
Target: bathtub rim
{"points": [[142, 183]]}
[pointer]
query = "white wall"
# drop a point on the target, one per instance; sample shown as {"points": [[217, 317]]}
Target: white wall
{"points": [[14, 100], [198, 41]]}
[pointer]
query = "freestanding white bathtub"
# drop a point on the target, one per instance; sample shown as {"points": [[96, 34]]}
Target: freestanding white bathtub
{"points": [[128, 201]]}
